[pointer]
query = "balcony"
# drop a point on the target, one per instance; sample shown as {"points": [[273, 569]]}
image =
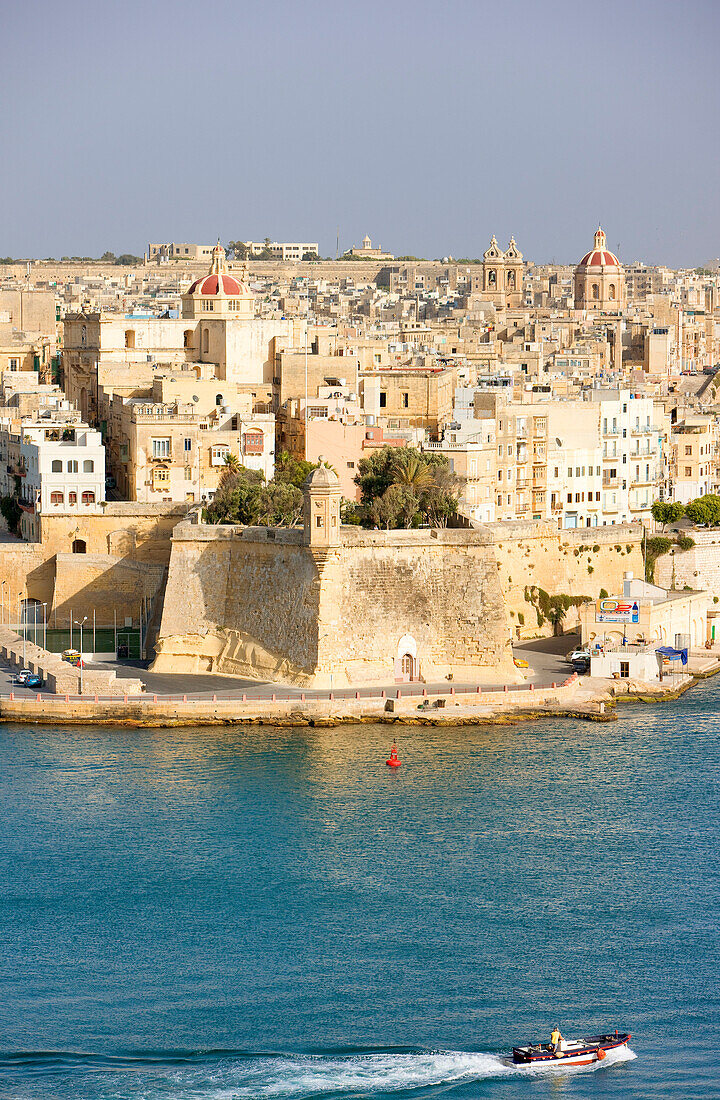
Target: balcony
{"points": [[611, 431], [647, 430], [612, 458], [611, 483], [641, 482], [522, 483]]}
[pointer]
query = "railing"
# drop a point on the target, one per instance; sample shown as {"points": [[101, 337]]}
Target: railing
{"points": [[611, 431], [611, 483]]}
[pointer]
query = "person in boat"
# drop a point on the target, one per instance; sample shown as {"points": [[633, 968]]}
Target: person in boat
{"points": [[556, 1040]]}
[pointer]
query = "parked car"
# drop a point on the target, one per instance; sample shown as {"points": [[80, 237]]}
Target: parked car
{"points": [[577, 654], [34, 681], [520, 663], [581, 665], [22, 676]]}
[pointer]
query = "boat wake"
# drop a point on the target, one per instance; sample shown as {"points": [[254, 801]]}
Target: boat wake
{"points": [[236, 1076]]}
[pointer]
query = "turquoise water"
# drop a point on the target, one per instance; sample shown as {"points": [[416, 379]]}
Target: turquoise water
{"points": [[248, 913]]}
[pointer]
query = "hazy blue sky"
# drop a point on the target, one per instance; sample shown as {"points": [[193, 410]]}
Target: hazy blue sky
{"points": [[427, 125]]}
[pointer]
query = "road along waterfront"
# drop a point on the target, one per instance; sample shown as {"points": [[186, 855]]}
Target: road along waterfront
{"points": [[258, 912]]}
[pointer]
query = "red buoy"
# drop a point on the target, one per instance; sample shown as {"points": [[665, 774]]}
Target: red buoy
{"points": [[393, 762]]}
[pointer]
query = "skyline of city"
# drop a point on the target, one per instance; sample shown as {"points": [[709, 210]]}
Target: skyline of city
{"points": [[428, 129]]}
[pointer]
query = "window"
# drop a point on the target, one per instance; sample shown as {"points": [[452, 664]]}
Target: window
{"points": [[161, 448], [219, 399], [129, 338], [188, 473], [72, 466], [405, 400], [569, 498], [88, 497], [688, 471], [253, 443], [318, 411], [383, 399], [557, 472], [57, 498], [206, 340], [14, 364], [83, 336], [688, 450], [88, 466], [208, 306], [56, 466], [318, 521], [160, 478], [219, 454], [72, 497], [187, 444], [188, 338], [595, 291], [79, 546], [351, 465], [569, 471]]}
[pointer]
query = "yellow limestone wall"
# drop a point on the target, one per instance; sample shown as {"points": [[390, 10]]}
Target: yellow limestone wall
{"points": [[262, 604]]}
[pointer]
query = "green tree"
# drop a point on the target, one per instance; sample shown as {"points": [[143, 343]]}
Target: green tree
{"points": [[237, 499], [705, 510], [293, 471], [11, 512], [397, 507], [280, 504], [666, 511], [412, 470], [556, 614]]}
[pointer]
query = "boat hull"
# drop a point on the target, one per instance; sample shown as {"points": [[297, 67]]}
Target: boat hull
{"points": [[582, 1052]]}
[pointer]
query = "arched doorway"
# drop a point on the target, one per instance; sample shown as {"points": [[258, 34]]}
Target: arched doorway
{"points": [[407, 667], [79, 546]]}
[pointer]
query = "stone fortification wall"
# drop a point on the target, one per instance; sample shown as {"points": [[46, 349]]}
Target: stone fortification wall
{"points": [[571, 562], [261, 603], [105, 585], [697, 568]]}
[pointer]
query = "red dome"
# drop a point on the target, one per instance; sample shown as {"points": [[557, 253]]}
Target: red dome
{"points": [[210, 284], [598, 258]]}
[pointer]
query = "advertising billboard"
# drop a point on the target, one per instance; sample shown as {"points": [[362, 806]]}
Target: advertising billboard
{"points": [[611, 610]]}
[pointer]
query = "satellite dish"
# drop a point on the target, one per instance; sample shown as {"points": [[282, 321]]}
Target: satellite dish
{"points": [[195, 398], [558, 441]]}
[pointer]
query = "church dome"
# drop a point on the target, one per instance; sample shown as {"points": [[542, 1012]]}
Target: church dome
{"points": [[215, 284], [599, 256]]}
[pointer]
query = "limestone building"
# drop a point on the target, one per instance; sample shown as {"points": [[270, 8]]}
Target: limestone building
{"points": [[599, 279], [501, 278]]}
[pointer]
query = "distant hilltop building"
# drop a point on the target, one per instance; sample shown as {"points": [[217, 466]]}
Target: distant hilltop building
{"points": [[173, 251], [279, 250], [367, 252], [599, 279]]}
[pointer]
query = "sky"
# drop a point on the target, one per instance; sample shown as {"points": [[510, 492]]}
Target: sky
{"points": [[429, 126]]}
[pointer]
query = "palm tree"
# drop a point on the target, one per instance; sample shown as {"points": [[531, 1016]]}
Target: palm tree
{"points": [[230, 468], [556, 616], [412, 471]]}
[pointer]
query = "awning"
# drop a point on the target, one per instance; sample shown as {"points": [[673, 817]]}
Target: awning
{"points": [[673, 654]]}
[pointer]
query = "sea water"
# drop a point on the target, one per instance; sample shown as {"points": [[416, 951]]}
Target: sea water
{"points": [[208, 914]]}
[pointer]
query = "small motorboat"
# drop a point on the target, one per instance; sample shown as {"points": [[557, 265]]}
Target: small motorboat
{"points": [[571, 1052]]}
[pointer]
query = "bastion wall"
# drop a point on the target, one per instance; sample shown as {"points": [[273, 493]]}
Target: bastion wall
{"points": [[571, 562], [261, 603]]}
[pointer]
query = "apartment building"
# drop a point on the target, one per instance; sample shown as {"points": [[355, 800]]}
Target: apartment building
{"points": [[631, 455], [61, 468], [410, 397], [694, 458]]}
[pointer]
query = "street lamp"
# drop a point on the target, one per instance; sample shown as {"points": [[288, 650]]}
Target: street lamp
{"points": [[80, 624]]}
